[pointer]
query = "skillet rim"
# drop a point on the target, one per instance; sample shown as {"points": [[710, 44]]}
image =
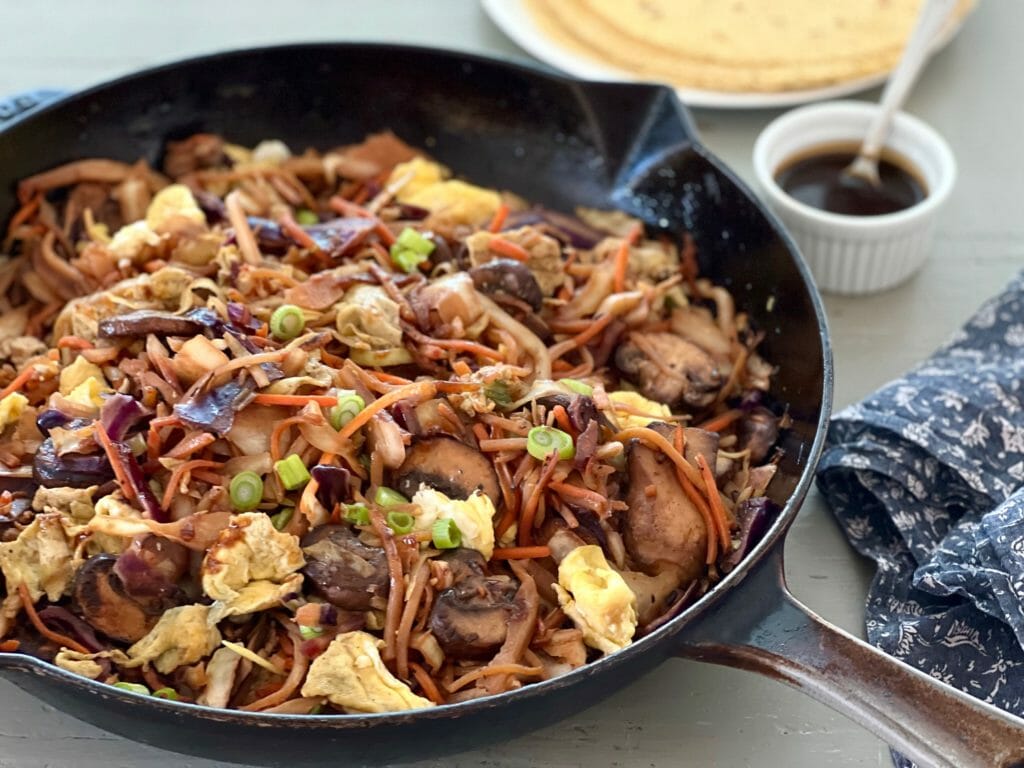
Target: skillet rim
{"points": [[774, 537]]}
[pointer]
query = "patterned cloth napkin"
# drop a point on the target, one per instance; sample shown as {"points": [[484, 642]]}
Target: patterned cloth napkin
{"points": [[926, 477]]}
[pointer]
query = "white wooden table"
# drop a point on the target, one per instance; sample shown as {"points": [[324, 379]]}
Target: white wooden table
{"points": [[685, 713]]}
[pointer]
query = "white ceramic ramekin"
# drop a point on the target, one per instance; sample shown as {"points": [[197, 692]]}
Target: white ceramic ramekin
{"points": [[856, 254]]}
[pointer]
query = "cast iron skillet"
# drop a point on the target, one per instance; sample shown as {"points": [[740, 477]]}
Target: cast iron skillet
{"points": [[561, 143]]}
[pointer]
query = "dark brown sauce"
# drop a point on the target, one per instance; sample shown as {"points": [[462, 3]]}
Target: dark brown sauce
{"points": [[815, 178]]}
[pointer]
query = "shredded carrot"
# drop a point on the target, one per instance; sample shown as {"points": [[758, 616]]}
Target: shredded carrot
{"points": [[153, 445], [296, 676], [275, 435], [481, 432], [348, 208], [421, 390], [390, 378], [266, 398], [386, 235], [396, 583], [494, 669], [717, 508], [520, 553], [461, 368], [115, 460], [698, 501], [499, 218], [9, 646], [505, 247], [74, 342], [45, 631], [503, 444], [26, 212], [27, 374], [649, 436], [291, 228], [426, 683], [525, 532], [584, 497], [179, 473], [721, 421], [621, 266], [563, 420], [190, 444], [580, 339], [244, 236]]}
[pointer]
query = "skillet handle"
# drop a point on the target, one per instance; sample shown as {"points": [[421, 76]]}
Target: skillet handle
{"points": [[762, 628], [20, 104]]}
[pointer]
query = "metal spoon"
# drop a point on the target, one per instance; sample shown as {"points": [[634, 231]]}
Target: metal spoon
{"points": [[934, 14]]}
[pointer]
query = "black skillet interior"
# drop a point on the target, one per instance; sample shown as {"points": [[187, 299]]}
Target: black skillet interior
{"points": [[552, 140]]}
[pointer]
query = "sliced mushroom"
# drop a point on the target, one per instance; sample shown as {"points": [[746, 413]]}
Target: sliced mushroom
{"points": [[146, 321], [669, 369], [758, 431], [661, 525], [344, 571], [99, 597], [470, 618], [446, 465], [509, 277]]}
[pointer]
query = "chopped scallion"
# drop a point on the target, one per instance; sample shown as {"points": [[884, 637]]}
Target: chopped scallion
{"points": [[348, 407], [308, 633], [282, 518], [292, 471], [306, 217], [133, 687], [386, 497], [411, 249], [579, 387], [287, 322], [357, 514], [400, 522], [541, 442], [246, 491], [167, 693], [446, 534]]}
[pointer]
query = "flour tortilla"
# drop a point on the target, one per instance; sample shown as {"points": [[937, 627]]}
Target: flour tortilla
{"points": [[735, 45]]}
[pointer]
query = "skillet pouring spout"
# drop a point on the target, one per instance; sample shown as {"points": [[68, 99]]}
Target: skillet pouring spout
{"points": [[763, 628]]}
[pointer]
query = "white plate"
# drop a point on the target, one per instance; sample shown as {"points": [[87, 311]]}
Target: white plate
{"points": [[515, 21]]}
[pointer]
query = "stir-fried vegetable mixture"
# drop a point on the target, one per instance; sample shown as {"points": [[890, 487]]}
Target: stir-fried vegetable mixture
{"points": [[338, 432]]}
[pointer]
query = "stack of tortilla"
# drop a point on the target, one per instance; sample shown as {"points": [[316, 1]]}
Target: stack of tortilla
{"points": [[736, 45]]}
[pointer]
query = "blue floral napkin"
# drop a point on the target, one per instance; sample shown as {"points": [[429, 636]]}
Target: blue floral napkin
{"points": [[926, 477]]}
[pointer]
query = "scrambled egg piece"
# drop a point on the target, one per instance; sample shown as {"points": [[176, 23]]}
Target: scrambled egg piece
{"points": [[131, 239], [350, 674], [40, 558], [474, 516], [73, 503], [597, 599], [258, 595], [85, 664], [183, 636], [78, 373], [457, 201], [653, 411], [173, 208], [11, 408], [249, 550], [89, 392]]}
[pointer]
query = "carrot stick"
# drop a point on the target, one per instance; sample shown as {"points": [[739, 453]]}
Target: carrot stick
{"points": [[496, 669], [45, 631], [115, 460], [179, 472], [697, 500], [9, 646], [26, 212], [291, 228], [26, 375], [426, 683], [505, 247], [386, 235], [297, 400], [721, 421], [580, 339], [499, 218], [649, 436], [621, 265], [74, 342], [525, 532], [721, 516], [421, 390], [563, 420], [348, 208], [521, 553], [275, 434]]}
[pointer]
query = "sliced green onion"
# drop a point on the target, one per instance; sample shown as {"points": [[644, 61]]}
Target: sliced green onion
{"points": [[406, 260], [411, 240], [348, 407], [317, 709], [306, 217], [167, 693], [308, 633], [282, 518], [579, 387], [246, 491], [133, 687], [446, 534], [287, 322], [292, 471], [541, 442], [357, 514], [386, 497], [400, 522]]}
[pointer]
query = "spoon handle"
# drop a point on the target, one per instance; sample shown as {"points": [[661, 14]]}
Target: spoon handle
{"points": [[934, 14]]}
